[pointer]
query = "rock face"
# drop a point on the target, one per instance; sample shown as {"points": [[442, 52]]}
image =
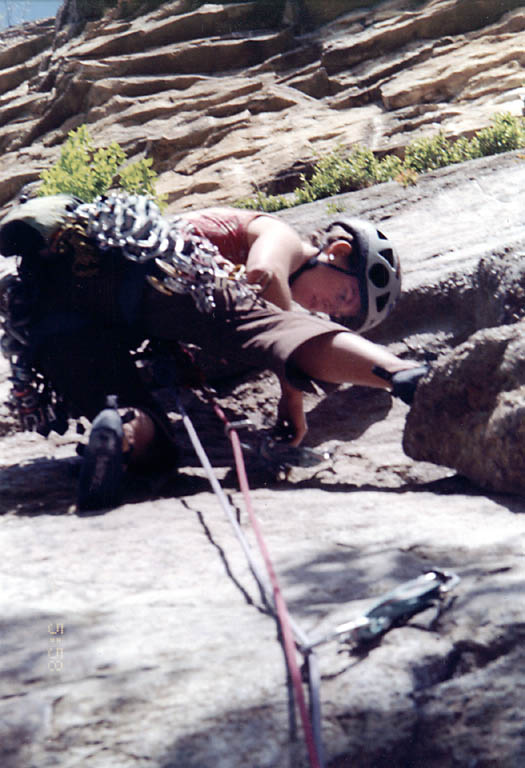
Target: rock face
{"points": [[222, 104], [469, 413]]}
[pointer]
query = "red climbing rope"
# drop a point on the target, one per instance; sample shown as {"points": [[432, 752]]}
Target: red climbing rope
{"points": [[280, 605]]}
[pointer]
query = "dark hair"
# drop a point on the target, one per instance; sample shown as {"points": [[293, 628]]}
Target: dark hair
{"points": [[322, 238]]}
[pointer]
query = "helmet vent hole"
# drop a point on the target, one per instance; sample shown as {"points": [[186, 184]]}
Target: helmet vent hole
{"points": [[381, 235], [382, 301], [378, 275], [388, 255]]}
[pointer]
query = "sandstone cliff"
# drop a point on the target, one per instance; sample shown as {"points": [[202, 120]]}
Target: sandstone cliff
{"points": [[221, 105]]}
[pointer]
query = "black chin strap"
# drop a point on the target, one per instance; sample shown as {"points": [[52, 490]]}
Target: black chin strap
{"points": [[310, 264]]}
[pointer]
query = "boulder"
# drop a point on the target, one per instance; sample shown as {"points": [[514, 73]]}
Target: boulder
{"points": [[469, 412]]}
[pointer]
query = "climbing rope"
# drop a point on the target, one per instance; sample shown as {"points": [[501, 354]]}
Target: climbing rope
{"points": [[314, 749], [391, 610], [269, 585]]}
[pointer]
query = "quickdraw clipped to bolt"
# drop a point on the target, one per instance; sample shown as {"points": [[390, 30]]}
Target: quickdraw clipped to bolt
{"points": [[393, 609]]}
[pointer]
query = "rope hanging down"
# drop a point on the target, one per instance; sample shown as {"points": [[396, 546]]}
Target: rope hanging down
{"points": [[312, 732], [391, 610], [314, 750]]}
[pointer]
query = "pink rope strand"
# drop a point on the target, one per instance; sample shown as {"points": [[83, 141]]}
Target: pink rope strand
{"points": [[280, 604]]}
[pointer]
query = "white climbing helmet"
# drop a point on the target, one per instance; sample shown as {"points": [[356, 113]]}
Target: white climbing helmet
{"points": [[374, 261]]}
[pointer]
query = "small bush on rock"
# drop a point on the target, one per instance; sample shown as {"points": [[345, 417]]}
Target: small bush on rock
{"points": [[428, 154], [507, 133], [87, 172], [267, 203], [335, 173]]}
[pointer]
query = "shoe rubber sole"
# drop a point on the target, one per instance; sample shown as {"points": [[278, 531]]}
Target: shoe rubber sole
{"points": [[102, 472]]}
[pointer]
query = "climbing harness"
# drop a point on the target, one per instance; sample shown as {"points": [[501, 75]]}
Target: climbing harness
{"points": [[186, 262]]}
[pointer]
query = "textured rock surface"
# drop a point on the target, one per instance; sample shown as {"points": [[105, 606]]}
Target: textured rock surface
{"points": [[470, 412], [222, 105], [169, 659]]}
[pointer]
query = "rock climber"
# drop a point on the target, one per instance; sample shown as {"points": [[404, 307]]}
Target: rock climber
{"points": [[94, 281]]}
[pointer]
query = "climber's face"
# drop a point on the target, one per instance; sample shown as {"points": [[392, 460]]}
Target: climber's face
{"points": [[328, 287]]}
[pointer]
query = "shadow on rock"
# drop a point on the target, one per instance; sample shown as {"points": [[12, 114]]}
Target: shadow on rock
{"points": [[346, 414], [49, 487], [345, 574], [260, 729], [446, 486], [38, 487]]}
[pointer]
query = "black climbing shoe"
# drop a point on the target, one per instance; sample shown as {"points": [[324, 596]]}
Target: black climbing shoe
{"points": [[404, 383], [102, 472]]}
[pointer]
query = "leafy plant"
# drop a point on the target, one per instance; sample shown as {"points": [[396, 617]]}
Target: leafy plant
{"points": [[87, 172], [428, 154], [388, 168], [262, 202], [507, 133], [335, 173]]}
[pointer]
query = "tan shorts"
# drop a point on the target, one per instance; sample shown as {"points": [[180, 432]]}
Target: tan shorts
{"points": [[252, 334]]}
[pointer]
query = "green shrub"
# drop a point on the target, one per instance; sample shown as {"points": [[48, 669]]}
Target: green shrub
{"points": [[335, 173], [388, 168], [507, 133], [87, 172], [463, 149], [428, 154], [139, 178], [262, 202]]}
